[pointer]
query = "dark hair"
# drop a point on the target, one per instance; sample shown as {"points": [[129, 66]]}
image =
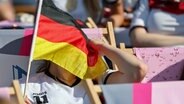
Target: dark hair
{"points": [[93, 8], [109, 2], [44, 66]]}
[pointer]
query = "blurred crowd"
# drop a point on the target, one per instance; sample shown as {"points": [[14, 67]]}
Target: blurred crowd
{"points": [[17, 11], [150, 23]]}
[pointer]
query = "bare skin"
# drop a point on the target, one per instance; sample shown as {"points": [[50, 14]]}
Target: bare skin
{"points": [[116, 16], [62, 74], [141, 38], [7, 11], [130, 68]]}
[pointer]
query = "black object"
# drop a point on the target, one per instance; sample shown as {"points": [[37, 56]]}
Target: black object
{"points": [[109, 2]]}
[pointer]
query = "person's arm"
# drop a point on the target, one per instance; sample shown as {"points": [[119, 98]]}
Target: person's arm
{"points": [[141, 38], [130, 68], [6, 10]]}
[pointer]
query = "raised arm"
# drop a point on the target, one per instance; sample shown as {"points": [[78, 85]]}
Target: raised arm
{"points": [[130, 68], [141, 38]]}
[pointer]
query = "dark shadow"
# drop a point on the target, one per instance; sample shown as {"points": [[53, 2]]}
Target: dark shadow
{"points": [[164, 75], [15, 47]]}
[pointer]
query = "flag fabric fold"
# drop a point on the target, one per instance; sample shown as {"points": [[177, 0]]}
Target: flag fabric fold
{"points": [[61, 41]]}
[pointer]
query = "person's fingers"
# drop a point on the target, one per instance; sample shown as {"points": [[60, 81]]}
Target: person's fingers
{"points": [[27, 101]]}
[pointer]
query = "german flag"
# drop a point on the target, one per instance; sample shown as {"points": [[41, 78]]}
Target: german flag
{"points": [[61, 41]]}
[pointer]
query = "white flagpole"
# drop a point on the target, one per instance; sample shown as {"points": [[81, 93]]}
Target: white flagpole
{"points": [[33, 44]]}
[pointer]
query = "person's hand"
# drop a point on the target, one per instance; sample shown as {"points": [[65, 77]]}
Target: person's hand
{"points": [[98, 45], [27, 101]]}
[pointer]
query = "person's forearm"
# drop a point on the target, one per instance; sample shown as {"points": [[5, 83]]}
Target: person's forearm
{"points": [[158, 40], [141, 38], [126, 63]]}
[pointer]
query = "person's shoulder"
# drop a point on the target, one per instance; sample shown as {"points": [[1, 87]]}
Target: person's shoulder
{"points": [[33, 78]]}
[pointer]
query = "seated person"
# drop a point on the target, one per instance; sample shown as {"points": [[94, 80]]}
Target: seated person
{"points": [[17, 14], [120, 12], [130, 5], [81, 9], [56, 85], [158, 23], [73, 57], [112, 11]]}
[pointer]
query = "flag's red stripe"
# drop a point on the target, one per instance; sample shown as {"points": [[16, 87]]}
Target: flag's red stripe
{"points": [[26, 43], [142, 93], [55, 32]]}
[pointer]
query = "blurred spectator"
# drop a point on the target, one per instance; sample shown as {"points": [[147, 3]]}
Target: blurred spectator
{"points": [[4, 101], [130, 5], [158, 23], [25, 10], [81, 9], [113, 11], [121, 11], [9, 7], [24, 2], [129, 8], [26, 6], [6, 10], [16, 14], [122, 33]]}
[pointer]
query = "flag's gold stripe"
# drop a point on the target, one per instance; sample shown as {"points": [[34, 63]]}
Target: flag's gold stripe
{"points": [[67, 56]]}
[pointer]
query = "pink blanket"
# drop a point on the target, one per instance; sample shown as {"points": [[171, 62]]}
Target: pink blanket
{"points": [[165, 64], [4, 93]]}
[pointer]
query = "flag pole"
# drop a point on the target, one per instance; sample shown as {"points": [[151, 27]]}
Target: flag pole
{"points": [[33, 44]]}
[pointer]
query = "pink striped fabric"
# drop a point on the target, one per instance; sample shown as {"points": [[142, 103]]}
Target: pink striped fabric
{"points": [[142, 93], [170, 92], [93, 33], [165, 64], [4, 93], [26, 43]]}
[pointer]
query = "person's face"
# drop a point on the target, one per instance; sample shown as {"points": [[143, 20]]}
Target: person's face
{"points": [[61, 72]]}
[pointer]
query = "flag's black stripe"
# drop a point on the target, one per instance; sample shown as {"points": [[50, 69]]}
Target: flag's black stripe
{"points": [[51, 11], [12, 47]]}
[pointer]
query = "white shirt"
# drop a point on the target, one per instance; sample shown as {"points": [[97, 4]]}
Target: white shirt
{"points": [[158, 21], [48, 91], [130, 4]]}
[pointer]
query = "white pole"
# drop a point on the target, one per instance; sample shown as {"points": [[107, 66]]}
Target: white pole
{"points": [[33, 43]]}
